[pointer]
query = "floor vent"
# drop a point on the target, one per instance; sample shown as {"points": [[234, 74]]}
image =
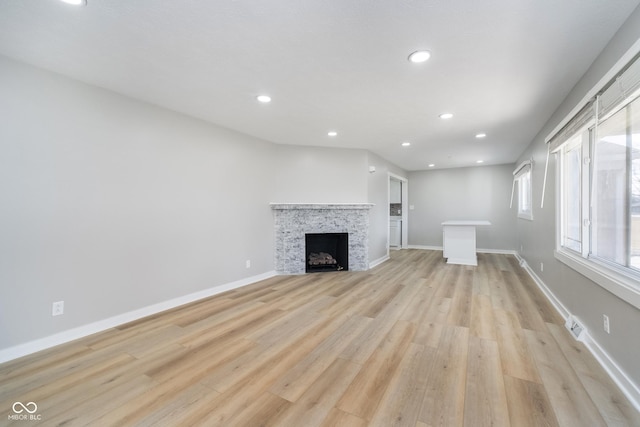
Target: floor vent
{"points": [[576, 328]]}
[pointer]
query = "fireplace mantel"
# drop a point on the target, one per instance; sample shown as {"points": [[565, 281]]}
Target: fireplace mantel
{"points": [[294, 220], [280, 206]]}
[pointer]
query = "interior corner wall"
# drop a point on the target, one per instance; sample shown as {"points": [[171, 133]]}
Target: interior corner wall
{"points": [[476, 193], [378, 194], [536, 239], [112, 205]]}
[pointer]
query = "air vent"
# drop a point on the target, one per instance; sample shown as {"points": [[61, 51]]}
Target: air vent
{"points": [[576, 328]]}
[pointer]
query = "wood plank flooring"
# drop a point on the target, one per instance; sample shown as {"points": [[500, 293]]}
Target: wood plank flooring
{"points": [[413, 342]]}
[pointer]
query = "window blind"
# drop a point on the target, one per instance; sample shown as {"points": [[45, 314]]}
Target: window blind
{"points": [[614, 95], [522, 168], [582, 119], [621, 90]]}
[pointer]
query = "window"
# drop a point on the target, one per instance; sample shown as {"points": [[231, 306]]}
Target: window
{"points": [[616, 189], [599, 199], [571, 194], [522, 179]]}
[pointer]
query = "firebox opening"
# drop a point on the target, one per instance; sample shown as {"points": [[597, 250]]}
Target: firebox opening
{"points": [[326, 252]]}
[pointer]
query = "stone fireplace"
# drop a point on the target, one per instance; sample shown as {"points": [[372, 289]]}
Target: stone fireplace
{"points": [[293, 221]]}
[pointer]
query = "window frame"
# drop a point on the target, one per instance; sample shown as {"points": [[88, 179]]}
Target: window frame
{"points": [[622, 281], [523, 178]]}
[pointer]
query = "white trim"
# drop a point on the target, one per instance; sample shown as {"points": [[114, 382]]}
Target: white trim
{"points": [[404, 237], [378, 261], [39, 344], [526, 215], [522, 166], [426, 248], [626, 384], [478, 250], [619, 285], [496, 251], [628, 387], [560, 308]]}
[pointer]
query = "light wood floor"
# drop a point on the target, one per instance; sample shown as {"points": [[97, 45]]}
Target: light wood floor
{"points": [[412, 342]]}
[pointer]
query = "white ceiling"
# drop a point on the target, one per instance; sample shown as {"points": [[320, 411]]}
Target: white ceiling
{"points": [[501, 66]]}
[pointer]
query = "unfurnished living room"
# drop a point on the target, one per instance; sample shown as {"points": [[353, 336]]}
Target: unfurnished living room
{"points": [[320, 213]]}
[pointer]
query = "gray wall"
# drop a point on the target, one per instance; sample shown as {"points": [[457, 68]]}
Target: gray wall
{"points": [[477, 193], [580, 296], [320, 175], [113, 205], [378, 194]]}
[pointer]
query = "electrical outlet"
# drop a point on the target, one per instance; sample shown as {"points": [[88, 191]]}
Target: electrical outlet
{"points": [[605, 319], [57, 308], [248, 263], [541, 266]]}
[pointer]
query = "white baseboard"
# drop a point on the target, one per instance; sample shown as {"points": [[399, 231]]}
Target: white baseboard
{"points": [[378, 261], [626, 385], [111, 322], [479, 250], [497, 251], [427, 248], [560, 308]]}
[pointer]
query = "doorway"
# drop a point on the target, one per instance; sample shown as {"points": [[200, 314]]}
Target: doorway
{"points": [[398, 217]]}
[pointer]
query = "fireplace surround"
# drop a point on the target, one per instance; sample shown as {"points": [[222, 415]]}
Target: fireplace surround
{"points": [[294, 220]]}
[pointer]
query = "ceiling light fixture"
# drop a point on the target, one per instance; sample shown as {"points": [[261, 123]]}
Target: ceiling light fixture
{"points": [[445, 116], [431, 165], [75, 2], [419, 56], [406, 144], [479, 161], [481, 135], [332, 133], [265, 99]]}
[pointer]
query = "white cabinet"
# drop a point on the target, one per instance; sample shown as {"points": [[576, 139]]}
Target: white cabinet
{"points": [[459, 241], [395, 233]]}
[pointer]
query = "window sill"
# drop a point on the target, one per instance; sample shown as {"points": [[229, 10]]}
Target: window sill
{"points": [[625, 288], [527, 216]]}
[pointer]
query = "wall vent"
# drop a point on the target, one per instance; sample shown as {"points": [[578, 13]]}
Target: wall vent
{"points": [[576, 328]]}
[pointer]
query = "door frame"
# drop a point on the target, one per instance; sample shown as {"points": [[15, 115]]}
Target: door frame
{"points": [[405, 214]]}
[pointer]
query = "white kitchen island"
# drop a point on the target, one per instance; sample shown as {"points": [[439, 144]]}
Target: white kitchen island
{"points": [[459, 241]]}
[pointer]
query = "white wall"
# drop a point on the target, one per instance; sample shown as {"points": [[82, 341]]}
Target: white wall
{"points": [[477, 193], [580, 296]]}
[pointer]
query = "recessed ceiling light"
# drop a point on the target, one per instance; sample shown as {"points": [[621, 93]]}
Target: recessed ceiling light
{"points": [[263, 98], [479, 161], [419, 56], [431, 165], [481, 135], [75, 2], [332, 133], [445, 116], [406, 144]]}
